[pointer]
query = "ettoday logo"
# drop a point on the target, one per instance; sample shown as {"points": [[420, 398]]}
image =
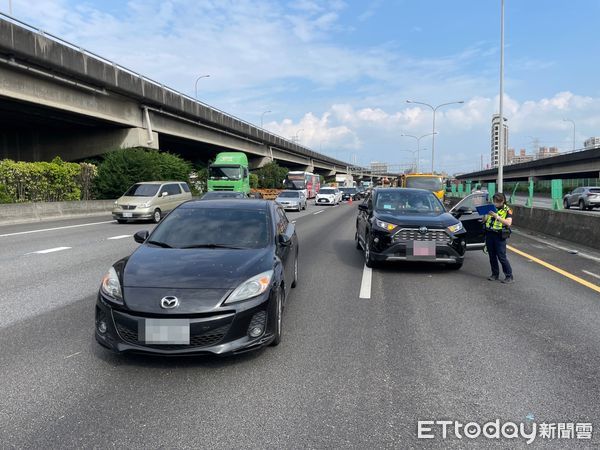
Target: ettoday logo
{"points": [[432, 429]]}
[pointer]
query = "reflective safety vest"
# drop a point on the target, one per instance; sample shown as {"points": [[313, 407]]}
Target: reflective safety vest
{"points": [[496, 225]]}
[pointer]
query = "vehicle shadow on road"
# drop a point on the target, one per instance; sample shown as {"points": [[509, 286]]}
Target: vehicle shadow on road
{"points": [[169, 362]]}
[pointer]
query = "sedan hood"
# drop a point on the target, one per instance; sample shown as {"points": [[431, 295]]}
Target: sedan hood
{"points": [[419, 220], [151, 267]]}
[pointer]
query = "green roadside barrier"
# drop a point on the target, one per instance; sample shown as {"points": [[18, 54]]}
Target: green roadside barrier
{"points": [[557, 194]]}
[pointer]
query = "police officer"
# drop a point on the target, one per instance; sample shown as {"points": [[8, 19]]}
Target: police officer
{"points": [[497, 230]]}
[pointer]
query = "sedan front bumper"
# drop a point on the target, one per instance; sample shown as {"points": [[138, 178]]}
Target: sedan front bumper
{"points": [[219, 333]]}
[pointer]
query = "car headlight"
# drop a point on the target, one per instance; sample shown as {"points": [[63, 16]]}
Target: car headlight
{"points": [[116, 203], [385, 225], [111, 286], [145, 205], [251, 288], [456, 227]]}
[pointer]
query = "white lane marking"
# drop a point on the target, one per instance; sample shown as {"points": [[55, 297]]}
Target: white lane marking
{"points": [[318, 212], [49, 250], [74, 354], [57, 228], [365, 285], [123, 236], [293, 221], [592, 274]]}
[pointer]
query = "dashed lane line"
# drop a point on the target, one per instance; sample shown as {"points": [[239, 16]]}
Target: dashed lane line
{"points": [[49, 250], [123, 236], [365, 285], [57, 228]]}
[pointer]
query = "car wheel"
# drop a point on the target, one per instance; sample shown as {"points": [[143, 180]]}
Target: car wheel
{"points": [[278, 318], [455, 266], [581, 205], [121, 221], [566, 203], [369, 261], [295, 282], [358, 246], [156, 216]]}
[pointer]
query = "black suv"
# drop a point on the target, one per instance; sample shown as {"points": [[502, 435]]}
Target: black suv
{"points": [[396, 224], [350, 192]]}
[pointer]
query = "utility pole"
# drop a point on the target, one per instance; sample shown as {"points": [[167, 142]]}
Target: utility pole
{"points": [[501, 106]]}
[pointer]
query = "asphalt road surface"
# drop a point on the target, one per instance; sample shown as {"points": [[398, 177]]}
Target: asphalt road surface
{"points": [[365, 355]]}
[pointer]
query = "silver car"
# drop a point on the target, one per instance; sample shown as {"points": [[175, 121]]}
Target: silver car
{"points": [[583, 197], [292, 200]]}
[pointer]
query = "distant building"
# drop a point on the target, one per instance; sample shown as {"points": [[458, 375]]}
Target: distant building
{"points": [[510, 155], [522, 157], [547, 152], [495, 141], [378, 167], [593, 142]]}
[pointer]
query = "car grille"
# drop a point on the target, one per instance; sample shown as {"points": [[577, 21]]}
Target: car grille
{"points": [[128, 207], [413, 234], [129, 333]]}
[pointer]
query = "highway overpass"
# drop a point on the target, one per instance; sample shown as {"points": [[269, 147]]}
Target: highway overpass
{"points": [[578, 164], [57, 99]]}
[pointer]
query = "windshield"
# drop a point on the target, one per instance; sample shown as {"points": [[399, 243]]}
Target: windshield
{"points": [[222, 194], [429, 183], [409, 202], [224, 173], [142, 190], [294, 184], [289, 195], [327, 191], [188, 227]]}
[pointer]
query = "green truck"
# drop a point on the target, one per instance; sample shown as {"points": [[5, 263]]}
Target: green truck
{"points": [[229, 172]]}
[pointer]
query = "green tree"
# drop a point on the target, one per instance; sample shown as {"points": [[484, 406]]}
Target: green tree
{"points": [[122, 168], [271, 176], [253, 181]]}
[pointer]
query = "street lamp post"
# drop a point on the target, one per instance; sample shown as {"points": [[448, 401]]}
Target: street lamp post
{"points": [[501, 104], [196, 84], [433, 133], [573, 122], [418, 139], [262, 117]]}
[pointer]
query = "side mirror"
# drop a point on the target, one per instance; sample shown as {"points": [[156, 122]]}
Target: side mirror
{"points": [[164, 194], [284, 240], [141, 236], [363, 207]]}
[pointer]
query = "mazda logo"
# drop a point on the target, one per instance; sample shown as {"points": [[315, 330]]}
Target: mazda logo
{"points": [[169, 302], [422, 230]]}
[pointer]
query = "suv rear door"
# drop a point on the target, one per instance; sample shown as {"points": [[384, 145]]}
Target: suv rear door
{"points": [[466, 212]]}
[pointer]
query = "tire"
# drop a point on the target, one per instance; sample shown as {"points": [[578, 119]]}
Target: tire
{"points": [[369, 261], [295, 281], [156, 216], [121, 221], [455, 266], [566, 204], [278, 319], [358, 246], [581, 205]]}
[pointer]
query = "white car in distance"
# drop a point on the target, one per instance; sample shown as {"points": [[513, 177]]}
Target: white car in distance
{"points": [[328, 196]]}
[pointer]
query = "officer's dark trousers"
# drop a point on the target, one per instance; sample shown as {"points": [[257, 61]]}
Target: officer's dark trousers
{"points": [[496, 247]]}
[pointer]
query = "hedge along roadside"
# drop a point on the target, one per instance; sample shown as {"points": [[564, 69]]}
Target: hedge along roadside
{"points": [[45, 181]]}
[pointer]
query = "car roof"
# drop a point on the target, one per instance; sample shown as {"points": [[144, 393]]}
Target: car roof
{"points": [[401, 190], [158, 182], [246, 203]]}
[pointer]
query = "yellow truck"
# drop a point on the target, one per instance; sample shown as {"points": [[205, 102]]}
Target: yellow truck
{"points": [[431, 182]]}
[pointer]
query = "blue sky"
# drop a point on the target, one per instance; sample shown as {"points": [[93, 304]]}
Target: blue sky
{"points": [[340, 71]]}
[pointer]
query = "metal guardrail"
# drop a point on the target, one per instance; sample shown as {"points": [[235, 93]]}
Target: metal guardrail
{"points": [[118, 66]]}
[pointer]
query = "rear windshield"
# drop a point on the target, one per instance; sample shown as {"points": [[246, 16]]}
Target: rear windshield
{"points": [[409, 202], [429, 183], [289, 194], [349, 190], [222, 194], [595, 191], [142, 190], [186, 227]]}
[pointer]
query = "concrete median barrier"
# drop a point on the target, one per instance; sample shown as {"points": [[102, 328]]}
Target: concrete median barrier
{"points": [[15, 213]]}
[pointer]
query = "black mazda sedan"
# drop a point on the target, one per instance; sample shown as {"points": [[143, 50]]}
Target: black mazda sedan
{"points": [[212, 278], [413, 225]]}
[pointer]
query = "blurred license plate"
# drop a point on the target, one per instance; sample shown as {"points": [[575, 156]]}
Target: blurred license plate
{"points": [[127, 214], [164, 331], [424, 248]]}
